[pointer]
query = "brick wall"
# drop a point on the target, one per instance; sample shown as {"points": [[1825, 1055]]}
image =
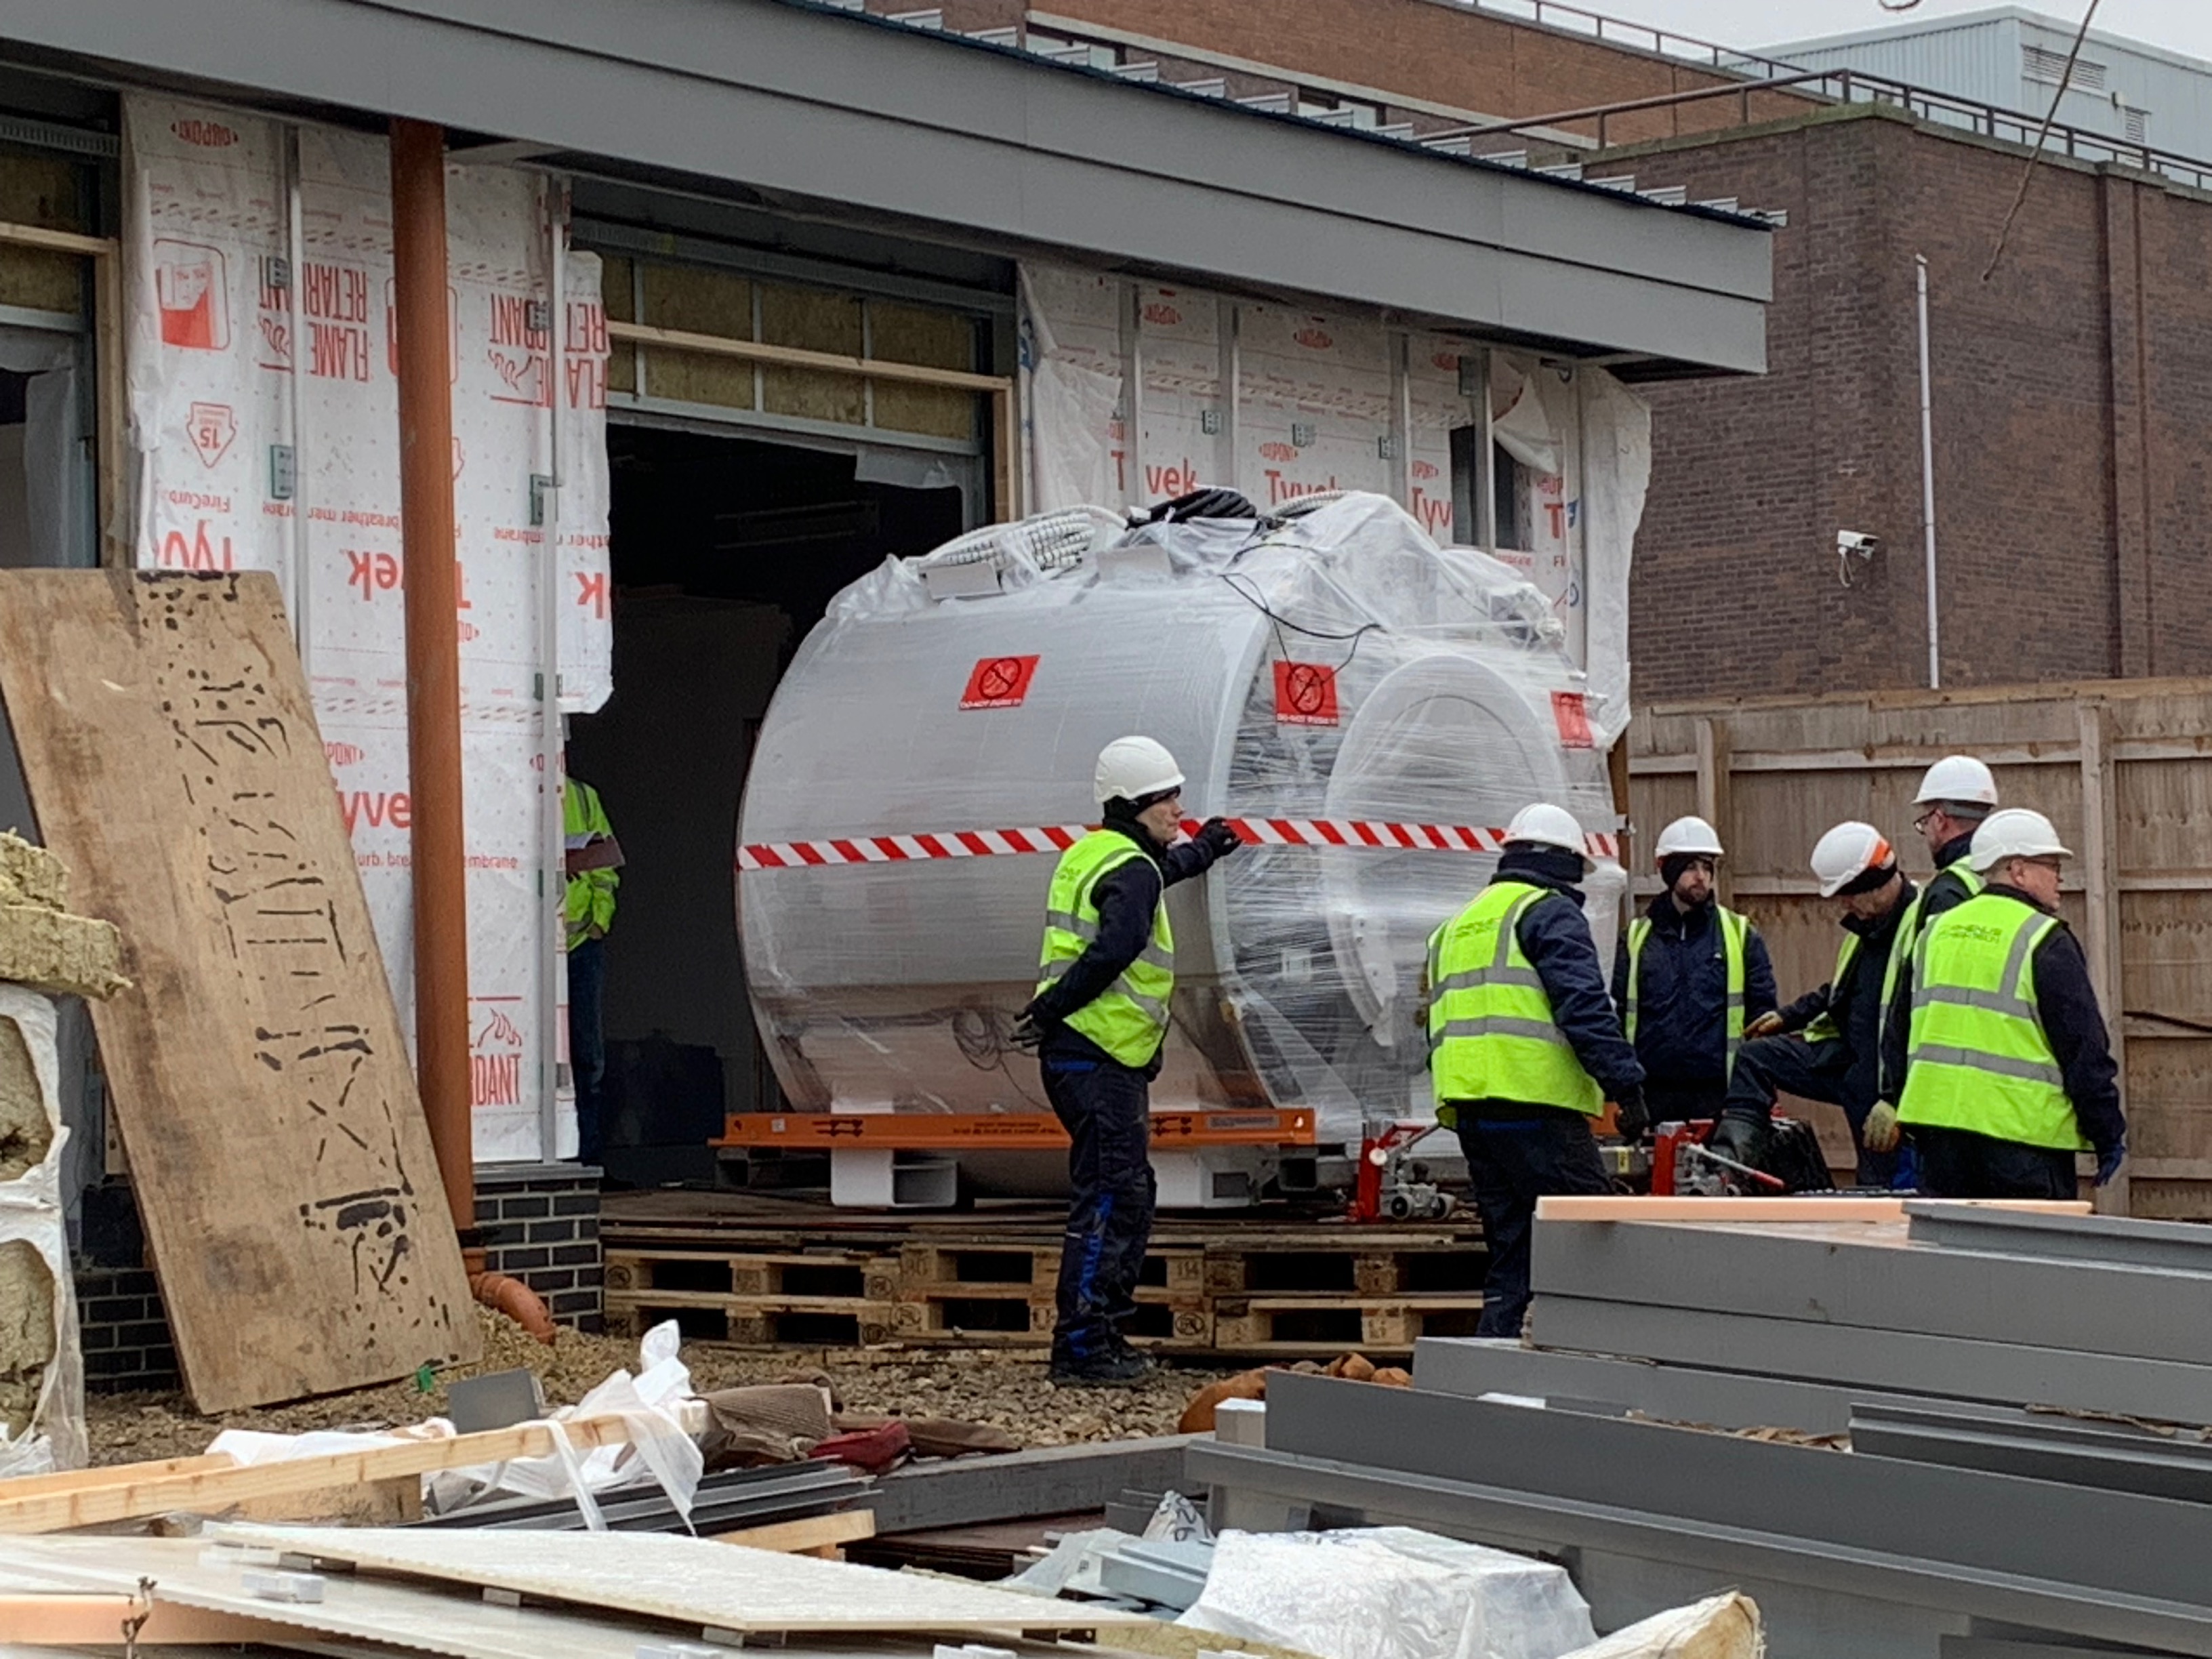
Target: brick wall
{"points": [[124, 1330], [540, 1221], [2070, 395]]}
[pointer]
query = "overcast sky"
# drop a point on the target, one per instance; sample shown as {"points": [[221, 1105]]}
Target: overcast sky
{"points": [[2179, 25]]}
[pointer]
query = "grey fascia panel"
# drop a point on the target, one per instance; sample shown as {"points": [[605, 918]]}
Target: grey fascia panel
{"points": [[2138, 1463], [1710, 1557], [2110, 1241], [796, 104], [1468, 1366], [1897, 1361], [966, 1491], [2098, 1309], [2109, 1543]]}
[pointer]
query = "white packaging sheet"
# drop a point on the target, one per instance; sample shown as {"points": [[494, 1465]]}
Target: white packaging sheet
{"points": [[31, 1213], [1390, 1592], [212, 371]]}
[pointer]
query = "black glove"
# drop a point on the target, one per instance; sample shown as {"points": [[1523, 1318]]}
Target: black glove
{"points": [[2110, 1159], [1031, 1026], [1218, 838], [1205, 504], [1742, 1137], [1630, 1115]]}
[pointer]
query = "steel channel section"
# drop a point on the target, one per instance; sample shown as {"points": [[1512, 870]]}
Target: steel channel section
{"points": [[1709, 1558], [823, 112], [2102, 1542], [782, 1492], [1680, 1394], [966, 1491], [2147, 1313], [2140, 1463], [2113, 1241], [1890, 1362]]}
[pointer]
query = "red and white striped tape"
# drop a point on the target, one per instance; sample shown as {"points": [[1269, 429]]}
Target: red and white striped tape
{"points": [[1059, 837]]}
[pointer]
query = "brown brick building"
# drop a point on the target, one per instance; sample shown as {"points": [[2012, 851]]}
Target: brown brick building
{"points": [[2072, 388]]}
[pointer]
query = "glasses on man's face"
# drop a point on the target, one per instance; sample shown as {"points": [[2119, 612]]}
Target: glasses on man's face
{"points": [[1920, 824]]}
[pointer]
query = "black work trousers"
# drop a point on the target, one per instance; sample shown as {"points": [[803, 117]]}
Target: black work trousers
{"points": [[1766, 1066], [1513, 1157], [1672, 1100], [1959, 1163], [1106, 1109]]}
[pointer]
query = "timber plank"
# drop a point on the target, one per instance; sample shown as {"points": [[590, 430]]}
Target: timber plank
{"points": [[260, 1079]]}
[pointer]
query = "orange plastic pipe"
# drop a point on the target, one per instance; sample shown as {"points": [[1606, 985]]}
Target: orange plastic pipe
{"points": [[432, 597]]}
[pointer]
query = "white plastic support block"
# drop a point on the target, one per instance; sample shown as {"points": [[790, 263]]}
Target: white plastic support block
{"points": [[679, 1650], [300, 1586], [241, 1555], [1241, 1422]]}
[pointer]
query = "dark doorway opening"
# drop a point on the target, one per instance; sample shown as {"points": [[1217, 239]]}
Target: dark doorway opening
{"points": [[725, 551]]}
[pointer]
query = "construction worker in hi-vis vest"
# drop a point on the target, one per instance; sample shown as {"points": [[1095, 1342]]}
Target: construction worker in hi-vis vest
{"points": [[1956, 795], [1689, 974], [1105, 987], [2008, 1070], [594, 859], [1525, 1047], [1826, 1045]]}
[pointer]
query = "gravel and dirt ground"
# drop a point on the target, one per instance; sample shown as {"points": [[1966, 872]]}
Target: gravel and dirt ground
{"points": [[976, 1386]]}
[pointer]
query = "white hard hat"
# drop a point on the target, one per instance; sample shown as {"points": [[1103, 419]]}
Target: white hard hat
{"points": [[1542, 824], [1130, 768], [2014, 833], [1957, 777], [1692, 834], [1847, 852]]}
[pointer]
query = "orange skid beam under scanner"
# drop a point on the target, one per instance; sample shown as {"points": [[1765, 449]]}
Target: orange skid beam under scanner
{"points": [[1014, 1131]]}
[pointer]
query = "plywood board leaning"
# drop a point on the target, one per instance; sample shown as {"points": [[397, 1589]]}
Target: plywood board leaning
{"points": [[691, 1580], [259, 1078]]}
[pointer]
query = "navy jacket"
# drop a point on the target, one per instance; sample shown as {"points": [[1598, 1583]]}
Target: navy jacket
{"points": [[1126, 896], [1681, 1022], [1946, 891], [1555, 936]]}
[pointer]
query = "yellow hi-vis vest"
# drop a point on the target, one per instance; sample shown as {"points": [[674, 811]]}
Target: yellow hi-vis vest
{"points": [[1824, 1025], [1907, 938], [1735, 932], [1129, 1018], [1977, 1058], [591, 893], [1492, 1035]]}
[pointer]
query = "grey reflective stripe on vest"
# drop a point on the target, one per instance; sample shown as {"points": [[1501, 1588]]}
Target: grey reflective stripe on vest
{"points": [[2034, 1071], [1066, 922], [1537, 1031], [1473, 978]]}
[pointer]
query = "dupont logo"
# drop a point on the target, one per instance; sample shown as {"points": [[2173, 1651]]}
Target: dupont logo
{"points": [[343, 754], [1313, 339], [1447, 361], [208, 134], [1160, 314], [1425, 469], [1272, 451]]}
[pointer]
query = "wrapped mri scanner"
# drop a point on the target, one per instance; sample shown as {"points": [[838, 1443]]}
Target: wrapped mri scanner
{"points": [[1368, 707]]}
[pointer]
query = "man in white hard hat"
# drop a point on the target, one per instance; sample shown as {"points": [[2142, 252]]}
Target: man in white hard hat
{"points": [[1524, 1046], [1831, 1048], [1956, 795], [1105, 981], [2008, 1069], [1688, 974]]}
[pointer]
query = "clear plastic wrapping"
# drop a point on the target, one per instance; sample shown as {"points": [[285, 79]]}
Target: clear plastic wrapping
{"points": [[1390, 1592], [1336, 680], [42, 1364]]}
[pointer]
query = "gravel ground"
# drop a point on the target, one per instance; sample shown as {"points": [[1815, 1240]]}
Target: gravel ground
{"points": [[975, 1386]]}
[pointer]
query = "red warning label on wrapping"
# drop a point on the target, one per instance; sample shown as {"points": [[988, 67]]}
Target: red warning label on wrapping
{"points": [[998, 683], [1572, 714], [1305, 694]]}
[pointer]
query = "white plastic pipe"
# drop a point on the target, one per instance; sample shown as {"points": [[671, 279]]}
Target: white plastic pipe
{"points": [[1928, 477], [552, 900]]}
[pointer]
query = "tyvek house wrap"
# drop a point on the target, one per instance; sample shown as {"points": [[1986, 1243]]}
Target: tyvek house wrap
{"points": [[211, 363], [1373, 706]]}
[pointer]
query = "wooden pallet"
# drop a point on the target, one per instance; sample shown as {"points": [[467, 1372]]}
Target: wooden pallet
{"points": [[1305, 1326], [780, 1272]]}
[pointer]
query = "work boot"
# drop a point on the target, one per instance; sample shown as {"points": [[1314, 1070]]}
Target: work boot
{"points": [[1109, 1370], [1124, 1349]]}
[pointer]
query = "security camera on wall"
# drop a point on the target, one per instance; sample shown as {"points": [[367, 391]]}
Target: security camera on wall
{"points": [[1854, 551]]}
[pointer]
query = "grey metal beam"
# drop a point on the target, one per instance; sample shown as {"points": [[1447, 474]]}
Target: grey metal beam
{"points": [[2109, 1543], [2113, 1241], [966, 1491], [1812, 1276], [1468, 1366], [1898, 1362], [2072, 1452], [1707, 1556], [817, 110]]}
